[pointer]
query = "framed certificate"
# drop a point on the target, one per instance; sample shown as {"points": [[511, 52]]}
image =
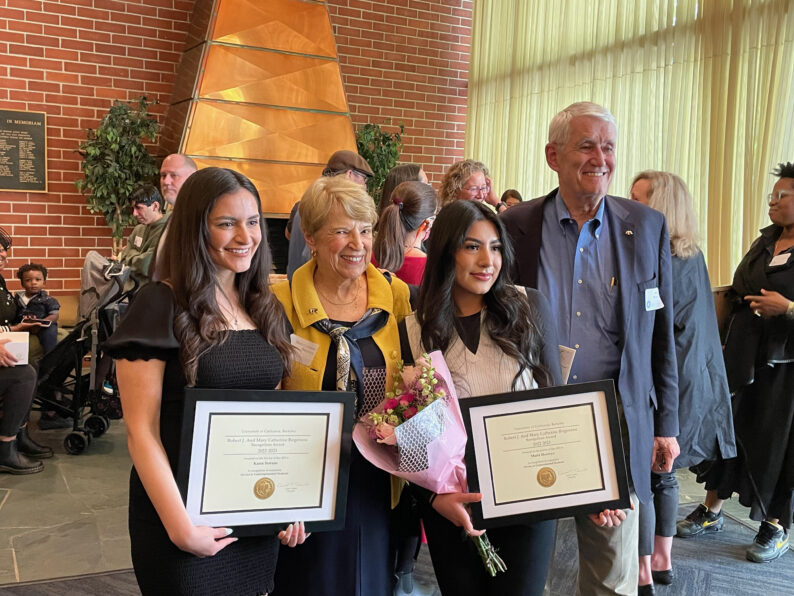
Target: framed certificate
{"points": [[257, 461], [545, 454]]}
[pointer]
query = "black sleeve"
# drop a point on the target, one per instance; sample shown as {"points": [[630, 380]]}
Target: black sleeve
{"points": [[147, 329], [550, 345], [405, 344], [413, 297]]}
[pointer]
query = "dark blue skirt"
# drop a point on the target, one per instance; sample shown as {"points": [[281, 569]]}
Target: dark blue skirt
{"points": [[354, 561]]}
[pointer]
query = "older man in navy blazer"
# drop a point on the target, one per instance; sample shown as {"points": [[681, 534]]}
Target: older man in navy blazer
{"points": [[604, 264]]}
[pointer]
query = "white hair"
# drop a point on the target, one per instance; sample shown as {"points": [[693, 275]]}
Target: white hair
{"points": [[560, 127]]}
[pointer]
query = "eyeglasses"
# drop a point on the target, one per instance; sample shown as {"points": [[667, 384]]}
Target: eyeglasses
{"points": [[774, 197], [475, 190]]}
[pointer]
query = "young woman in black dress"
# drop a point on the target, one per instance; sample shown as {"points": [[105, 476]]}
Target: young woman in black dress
{"points": [[212, 322]]}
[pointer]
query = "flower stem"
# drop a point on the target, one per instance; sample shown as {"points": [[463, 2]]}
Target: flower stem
{"points": [[492, 561]]}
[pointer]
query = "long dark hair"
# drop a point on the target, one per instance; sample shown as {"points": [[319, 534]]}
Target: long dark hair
{"points": [[411, 204], [508, 317], [406, 172], [199, 323]]}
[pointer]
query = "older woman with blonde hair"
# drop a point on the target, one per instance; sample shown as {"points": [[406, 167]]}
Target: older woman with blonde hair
{"points": [[344, 315], [468, 180], [704, 407]]}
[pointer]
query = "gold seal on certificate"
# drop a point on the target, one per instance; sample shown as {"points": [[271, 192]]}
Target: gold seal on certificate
{"points": [[546, 477], [265, 487]]}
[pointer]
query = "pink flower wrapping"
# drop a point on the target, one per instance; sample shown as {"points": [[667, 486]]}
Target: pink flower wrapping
{"points": [[424, 443], [430, 443]]}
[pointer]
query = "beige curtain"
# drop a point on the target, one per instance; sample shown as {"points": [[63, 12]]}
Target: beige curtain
{"points": [[704, 89]]}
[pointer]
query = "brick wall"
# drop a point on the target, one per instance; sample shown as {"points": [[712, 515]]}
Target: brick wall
{"points": [[408, 61], [71, 59], [404, 60]]}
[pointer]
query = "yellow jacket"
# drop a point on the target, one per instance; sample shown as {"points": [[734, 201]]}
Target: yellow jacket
{"points": [[302, 305], [303, 308]]}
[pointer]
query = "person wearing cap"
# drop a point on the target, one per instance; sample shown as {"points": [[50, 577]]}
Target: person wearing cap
{"points": [[19, 453], [341, 163]]}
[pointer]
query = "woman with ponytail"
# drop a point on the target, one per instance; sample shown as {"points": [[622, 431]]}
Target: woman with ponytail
{"points": [[402, 228]]}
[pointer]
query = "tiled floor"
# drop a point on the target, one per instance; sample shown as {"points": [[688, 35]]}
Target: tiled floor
{"points": [[71, 519]]}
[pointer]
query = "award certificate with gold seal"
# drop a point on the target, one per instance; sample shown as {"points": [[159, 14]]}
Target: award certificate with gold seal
{"points": [[259, 460], [545, 453]]}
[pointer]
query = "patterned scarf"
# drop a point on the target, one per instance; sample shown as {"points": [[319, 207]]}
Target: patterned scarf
{"points": [[348, 354]]}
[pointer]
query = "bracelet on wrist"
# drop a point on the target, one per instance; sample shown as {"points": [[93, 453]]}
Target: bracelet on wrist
{"points": [[790, 310]]}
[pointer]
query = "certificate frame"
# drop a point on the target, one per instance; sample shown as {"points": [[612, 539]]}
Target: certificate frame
{"points": [[215, 484], [513, 433]]}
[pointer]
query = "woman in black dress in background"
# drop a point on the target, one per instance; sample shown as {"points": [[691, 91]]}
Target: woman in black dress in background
{"points": [[213, 323]]}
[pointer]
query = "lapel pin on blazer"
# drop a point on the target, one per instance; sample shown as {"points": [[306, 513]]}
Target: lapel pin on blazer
{"points": [[629, 233]]}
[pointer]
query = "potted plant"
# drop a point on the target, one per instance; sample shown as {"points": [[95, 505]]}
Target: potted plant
{"points": [[115, 161], [381, 149]]}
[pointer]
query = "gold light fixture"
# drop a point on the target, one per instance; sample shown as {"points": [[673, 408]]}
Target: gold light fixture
{"points": [[259, 90]]}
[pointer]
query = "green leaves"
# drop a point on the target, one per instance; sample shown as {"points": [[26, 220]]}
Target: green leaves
{"points": [[381, 149], [115, 161]]}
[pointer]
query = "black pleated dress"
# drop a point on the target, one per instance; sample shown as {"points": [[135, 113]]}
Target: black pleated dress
{"points": [[244, 361], [759, 359]]}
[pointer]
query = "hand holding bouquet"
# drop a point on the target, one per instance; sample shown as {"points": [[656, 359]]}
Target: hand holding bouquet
{"points": [[417, 434]]}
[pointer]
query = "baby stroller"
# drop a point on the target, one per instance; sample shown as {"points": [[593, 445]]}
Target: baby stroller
{"points": [[64, 386]]}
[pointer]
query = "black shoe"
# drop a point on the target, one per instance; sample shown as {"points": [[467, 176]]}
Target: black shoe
{"points": [[700, 521], [13, 462], [54, 421], [27, 446], [646, 590], [664, 577]]}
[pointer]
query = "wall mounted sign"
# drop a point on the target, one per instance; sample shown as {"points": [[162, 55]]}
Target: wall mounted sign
{"points": [[23, 151]]}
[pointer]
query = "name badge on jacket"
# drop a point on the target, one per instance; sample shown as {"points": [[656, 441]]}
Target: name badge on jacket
{"points": [[652, 299], [304, 349]]}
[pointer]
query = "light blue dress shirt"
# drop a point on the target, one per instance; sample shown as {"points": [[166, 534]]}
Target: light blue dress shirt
{"points": [[578, 274]]}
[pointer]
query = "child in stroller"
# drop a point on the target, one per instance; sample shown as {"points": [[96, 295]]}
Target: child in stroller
{"points": [[64, 386]]}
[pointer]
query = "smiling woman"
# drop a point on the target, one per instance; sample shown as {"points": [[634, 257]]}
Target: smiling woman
{"points": [[214, 323], [234, 232], [344, 316], [495, 338]]}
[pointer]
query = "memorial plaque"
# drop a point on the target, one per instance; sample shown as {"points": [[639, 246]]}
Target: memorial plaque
{"points": [[23, 151]]}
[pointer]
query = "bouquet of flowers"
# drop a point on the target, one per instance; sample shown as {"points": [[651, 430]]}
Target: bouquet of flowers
{"points": [[417, 434]]}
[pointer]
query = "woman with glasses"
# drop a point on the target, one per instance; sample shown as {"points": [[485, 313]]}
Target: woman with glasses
{"points": [[468, 180], [759, 359]]}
